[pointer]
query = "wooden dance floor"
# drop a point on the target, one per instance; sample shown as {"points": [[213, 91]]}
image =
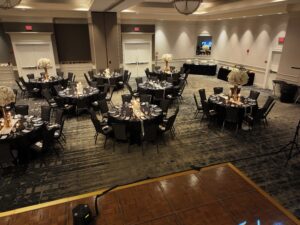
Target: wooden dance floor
{"points": [[214, 196]]}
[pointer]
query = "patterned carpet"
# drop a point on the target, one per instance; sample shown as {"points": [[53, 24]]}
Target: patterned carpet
{"points": [[84, 167]]}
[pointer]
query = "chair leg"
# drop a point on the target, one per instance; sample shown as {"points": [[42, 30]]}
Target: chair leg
{"points": [[223, 125], [236, 129], [114, 143], [105, 141]]}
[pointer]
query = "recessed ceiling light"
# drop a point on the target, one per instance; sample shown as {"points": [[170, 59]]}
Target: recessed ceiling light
{"points": [[244, 16], [199, 13], [279, 13], [22, 7], [81, 9], [260, 15], [278, 0], [128, 11]]}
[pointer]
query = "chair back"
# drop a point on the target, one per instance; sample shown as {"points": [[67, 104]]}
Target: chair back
{"points": [[170, 122], [112, 81], [254, 94], [164, 105], [196, 101], [22, 81], [126, 98], [268, 103], [269, 109], [59, 114], [170, 80], [176, 76], [145, 98], [138, 80], [30, 76], [45, 113], [205, 106], [91, 74], [218, 90], [70, 76], [232, 114], [5, 154], [95, 121], [60, 74], [129, 88], [120, 131], [202, 95], [103, 106], [58, 88], [159, 94], [147, 72], [46, 93], [22, 88], [22, 109], [150, 131], [87, 79]]}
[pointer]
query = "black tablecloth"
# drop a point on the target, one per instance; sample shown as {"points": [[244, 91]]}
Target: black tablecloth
{"points": [[223, 73], [209, 70]]}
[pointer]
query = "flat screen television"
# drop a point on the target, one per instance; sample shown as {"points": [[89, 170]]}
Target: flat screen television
{"points": [[204, 44]]}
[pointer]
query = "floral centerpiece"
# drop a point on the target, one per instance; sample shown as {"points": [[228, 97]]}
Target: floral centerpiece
{"points": [[206, 49], [167, 58], [7, 96], [107, 72], [44, 63], [237, 77]]}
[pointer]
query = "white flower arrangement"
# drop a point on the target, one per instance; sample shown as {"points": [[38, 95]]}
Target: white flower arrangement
{"points": [[167, 57], [7, 96], [44, 63], [238, 77], [107, 72]]}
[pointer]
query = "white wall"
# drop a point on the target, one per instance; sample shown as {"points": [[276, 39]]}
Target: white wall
{"points": [[231, 39], [291, 54]]}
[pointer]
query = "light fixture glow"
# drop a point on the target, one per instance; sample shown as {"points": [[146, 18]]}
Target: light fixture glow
{"points": [[23, 7]]}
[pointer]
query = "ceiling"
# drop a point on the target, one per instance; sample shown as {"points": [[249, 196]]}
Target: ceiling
{"points": [[149, 9]]}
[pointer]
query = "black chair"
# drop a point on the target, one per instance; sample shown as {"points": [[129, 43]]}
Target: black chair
{"points": [[113, 82], [99, 128], [81, 106], [202, 95], [207, 112], [262, 113], [47, 142], [7, 156], [147, 72], [180, 92], [91, 75], [30, 76], [60, 74], [22, 89], [254, 94], [45, 113], [133, 93], [88, 80], [49, 98], [126, 98], [168, 125], [164, 105], [58, 88], [103, 108], [22, 109], [145, 98], [170, 80], [95, 104], [232, 116], [71, 77], [67, 108], [159, 95], [198, 106], [110, 95], [149, 134], [218, 90], [120, 134], [138, 80]]}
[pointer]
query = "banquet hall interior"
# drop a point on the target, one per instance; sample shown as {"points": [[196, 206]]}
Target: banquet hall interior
{"points": [[151, 112]]}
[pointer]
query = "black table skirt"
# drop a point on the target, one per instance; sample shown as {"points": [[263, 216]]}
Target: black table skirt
{"points": [[223, 73], [209, 70]]}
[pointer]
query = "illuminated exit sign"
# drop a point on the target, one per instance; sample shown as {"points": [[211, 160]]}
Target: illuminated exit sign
{"points": [[137, 29], [28, 28]]}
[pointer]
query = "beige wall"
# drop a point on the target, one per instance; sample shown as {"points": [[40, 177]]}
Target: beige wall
{"points": [[291, 53]]}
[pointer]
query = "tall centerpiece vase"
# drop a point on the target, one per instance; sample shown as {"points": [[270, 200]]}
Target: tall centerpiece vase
{"points": [[235, 92], [46, 73], [6, 117], [167, 67]]}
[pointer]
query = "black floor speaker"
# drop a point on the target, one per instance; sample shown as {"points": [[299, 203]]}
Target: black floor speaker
{"points": [[82, 215]]}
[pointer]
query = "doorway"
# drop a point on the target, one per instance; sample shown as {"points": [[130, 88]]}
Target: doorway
{"points": [[137, 53], [272, 68]]}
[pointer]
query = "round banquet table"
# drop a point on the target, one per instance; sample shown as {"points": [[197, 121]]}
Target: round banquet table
{"points": [[71, 96], [102, 79], [134, 115], [151, 87], [42, 83], [220, 102], [25, 131]]}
